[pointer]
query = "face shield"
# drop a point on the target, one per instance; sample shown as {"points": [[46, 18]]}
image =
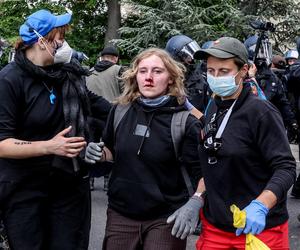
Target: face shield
{"points": [[189, 50]]}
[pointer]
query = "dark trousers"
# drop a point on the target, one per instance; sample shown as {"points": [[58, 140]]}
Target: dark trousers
{"points": [[124, 233], [49, 211]]}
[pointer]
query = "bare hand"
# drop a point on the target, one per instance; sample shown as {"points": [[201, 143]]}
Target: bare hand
{"points": [[252, 70], [65, 146]]}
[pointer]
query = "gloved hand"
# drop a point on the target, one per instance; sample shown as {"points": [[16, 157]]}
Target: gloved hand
{"points": [[94, 152], [188, 105], [186, 217], [293, 133], [256, 213]]}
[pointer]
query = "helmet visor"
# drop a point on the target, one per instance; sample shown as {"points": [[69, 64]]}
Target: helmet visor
{"points": [[191, 48]]}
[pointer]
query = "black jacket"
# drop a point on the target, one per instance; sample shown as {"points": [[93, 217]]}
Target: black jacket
{"points": [[197, 87], [27, 114], [276, 94], [149, 184], [255, 155]]}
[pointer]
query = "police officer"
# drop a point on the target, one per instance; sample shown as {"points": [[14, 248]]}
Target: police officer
{"points": [[182, 48], [291, 56], [271, 84], [294, 88]]}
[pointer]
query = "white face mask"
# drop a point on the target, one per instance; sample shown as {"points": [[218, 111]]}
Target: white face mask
{"points": [[63, 54]]}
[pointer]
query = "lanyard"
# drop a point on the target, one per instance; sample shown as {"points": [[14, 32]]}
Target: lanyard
{"points": [[225, 121]]}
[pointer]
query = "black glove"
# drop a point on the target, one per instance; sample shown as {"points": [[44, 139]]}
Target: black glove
{"points": [[293, 133]]}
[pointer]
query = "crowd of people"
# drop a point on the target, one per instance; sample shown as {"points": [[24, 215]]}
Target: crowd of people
{"points": [[179, 141]]}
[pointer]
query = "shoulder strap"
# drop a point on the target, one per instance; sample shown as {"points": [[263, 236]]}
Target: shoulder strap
{"points": [[120, 111], [178, 131], [178, 128]]}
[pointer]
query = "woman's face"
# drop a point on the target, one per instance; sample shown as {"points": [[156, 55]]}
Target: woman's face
{"points": [[51, 47], [152, 77]]}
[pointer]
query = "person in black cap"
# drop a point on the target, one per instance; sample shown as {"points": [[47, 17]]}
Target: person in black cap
{"points": [[105, 81], [239, 163], [104, 78], [44, 107]]}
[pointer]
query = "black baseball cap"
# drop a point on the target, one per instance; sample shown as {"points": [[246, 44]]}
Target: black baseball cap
{"points": [[224, 47]]}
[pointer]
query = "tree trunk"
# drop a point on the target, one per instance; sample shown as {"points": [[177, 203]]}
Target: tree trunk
{"points": [[114, 21]]}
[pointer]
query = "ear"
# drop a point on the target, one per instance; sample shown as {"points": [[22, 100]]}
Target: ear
{"points": [[41, 43], [171, 81], [244, 70]]}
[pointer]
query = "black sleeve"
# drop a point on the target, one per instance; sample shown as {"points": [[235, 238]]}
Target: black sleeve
{"points": [[100, 107], [190, 156], [11, 97], [284, 106], [109, 133], [273, 144]]}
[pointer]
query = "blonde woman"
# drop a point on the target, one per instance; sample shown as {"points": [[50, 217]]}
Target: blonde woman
{"points": [[146, 184]]}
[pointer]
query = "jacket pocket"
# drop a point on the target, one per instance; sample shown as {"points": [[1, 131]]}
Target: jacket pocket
{"points": [[136, 198]]}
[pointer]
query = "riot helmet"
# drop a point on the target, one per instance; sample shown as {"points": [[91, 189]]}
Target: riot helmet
{"points": [[182, 48], [291, 56]]}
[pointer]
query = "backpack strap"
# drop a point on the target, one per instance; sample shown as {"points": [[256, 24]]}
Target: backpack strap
{"points": [[178, 128], [120, 111], [178, 131]]}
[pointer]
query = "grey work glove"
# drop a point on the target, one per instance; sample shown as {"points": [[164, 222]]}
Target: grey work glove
{"points": [[94, 152], [186, 218]]}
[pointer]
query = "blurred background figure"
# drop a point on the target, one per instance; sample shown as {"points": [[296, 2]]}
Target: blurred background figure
{"points": [[291, 56], [105, 81], [183, 48]]}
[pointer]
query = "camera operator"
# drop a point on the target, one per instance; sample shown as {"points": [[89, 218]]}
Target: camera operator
{"points": [[271, 85]]}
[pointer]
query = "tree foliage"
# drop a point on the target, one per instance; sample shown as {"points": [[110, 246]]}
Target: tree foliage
{"points": [[283, 13], [87, 26], [152, 22]]}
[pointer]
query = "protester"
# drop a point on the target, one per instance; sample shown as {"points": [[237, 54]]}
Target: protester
{"points": [[44, 107], [245, 157], [147, 183]]}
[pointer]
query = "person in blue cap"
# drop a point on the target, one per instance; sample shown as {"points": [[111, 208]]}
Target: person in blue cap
{"points": [[44, 107]]}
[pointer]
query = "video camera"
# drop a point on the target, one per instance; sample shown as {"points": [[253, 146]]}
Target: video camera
{"points": [[263, 49], [259, 25]]}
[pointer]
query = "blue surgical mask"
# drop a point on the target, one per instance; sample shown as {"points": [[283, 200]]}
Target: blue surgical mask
{"points": [[223, 85]]}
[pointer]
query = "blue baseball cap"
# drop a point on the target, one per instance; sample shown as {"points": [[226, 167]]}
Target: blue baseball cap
{"points": [[41, 21]]}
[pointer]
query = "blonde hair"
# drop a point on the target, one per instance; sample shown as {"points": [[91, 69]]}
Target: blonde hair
{"points": [[175, 69]]}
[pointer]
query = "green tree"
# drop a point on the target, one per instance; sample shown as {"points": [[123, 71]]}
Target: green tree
{"points": [[151, 23], [283, 13], [87, 27]]}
